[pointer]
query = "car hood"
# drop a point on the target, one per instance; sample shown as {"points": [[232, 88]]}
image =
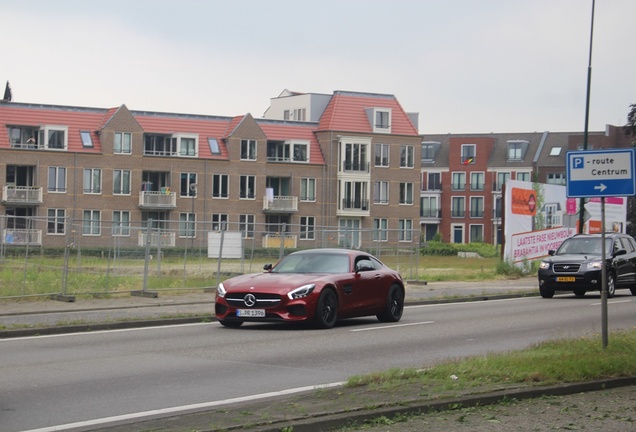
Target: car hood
{"points": [[579, 258], [279, 283]]}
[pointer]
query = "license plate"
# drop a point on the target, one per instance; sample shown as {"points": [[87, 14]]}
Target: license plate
{"points": [[566, 279], [252, 313]]}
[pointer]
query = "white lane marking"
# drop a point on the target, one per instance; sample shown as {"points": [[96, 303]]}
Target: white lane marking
{"points": [[92, 332], [392, 326], [180, 409], [612, 302], [466, 303]]}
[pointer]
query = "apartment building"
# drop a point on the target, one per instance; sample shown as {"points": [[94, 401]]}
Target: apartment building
{"points": [[95, 176], [462, 176]]}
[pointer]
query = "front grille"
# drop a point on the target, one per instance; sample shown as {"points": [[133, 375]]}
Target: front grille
{"points": [[567, 268], [262, 300]]}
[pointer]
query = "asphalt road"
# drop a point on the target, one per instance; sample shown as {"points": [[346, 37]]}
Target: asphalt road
{"points": [[59, 380]]}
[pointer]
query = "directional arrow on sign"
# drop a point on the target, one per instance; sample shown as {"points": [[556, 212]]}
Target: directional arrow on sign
{"points": [[602, 187]]}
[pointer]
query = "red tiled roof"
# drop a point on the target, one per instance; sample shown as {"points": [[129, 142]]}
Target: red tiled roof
{"points": [[275, 130], [205, 127], [75, 119], [346, 112]]}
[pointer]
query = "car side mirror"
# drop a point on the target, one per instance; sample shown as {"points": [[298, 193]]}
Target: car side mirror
{"points": [[364, 265], [551, 252], [620, 252], [267, 267]]}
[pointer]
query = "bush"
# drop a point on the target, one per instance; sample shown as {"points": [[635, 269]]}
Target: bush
{"points": [[451, 249]]}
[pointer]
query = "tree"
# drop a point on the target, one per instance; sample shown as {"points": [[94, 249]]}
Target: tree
{"points": [[630, 127]]}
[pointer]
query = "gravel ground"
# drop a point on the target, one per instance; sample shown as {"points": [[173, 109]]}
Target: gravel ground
{"points": [[605, 410]]}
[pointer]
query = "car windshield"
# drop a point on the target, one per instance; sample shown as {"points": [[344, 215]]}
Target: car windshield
{"points": [[313, 263], [584, 246]]}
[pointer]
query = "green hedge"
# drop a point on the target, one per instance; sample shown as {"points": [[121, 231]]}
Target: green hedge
{"points": [[451, 249]]}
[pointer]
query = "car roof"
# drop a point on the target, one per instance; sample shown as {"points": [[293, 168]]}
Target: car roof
{"points": [[607, 235]]}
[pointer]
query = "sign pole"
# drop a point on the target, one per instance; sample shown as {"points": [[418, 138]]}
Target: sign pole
{"points": [[604, 331]]}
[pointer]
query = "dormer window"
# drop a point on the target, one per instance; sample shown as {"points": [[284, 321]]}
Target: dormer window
{"points": [[185, 145], [517, 150], [468, 154], [380, 119], [54, 137], [429, 150]]}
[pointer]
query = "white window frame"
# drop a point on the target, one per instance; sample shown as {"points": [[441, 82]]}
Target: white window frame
{"points": [[460, 184], [407, 156], [405, 230], [122, 143], [470, 233], [380, 230], [247, 187], [381, 154], [406, 193], [246, 225], [92, 223], [121, 223], [250, 151], [187, 145], [57, 219], [523, 174], [217, 221], [45, 132], [222, 183], [478, 178], [124, 179], [90, 181], [476, 205], [308, 189], [379, 114], [468, 152], [187, 225], [307, 228], [56, 187], [381, 192], [458, 199]]}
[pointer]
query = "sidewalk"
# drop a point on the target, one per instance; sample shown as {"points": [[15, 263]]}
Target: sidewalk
{"points": [[41, 313]]}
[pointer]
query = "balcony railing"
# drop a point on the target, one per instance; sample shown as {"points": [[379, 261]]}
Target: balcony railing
{"points": [[458, 213], [431, 213], [476, 213], [155, 200], [162, 238], [22, 237], [355, 204], [30, 195], [281, 204], [349, 166]]}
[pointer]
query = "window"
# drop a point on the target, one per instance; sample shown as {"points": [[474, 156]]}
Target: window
{"points": [[458, 181], [121, 223], [380, 230], [381, 192], [188, 185], [308, 189], [219, 221], [91, 222], [428, 207], [53, 137], [300, 152], [246, 225], [220, 186], [121, 182], [307, 227], [55, 221], [355, 195], [477, 181], [406, 193], [246, 187], [476, 233], [122, 143], [458, 206], [477, 207], [516, 150], [187, 227], [87, 140], [407, 156], [381, 155], [382, 120], [187, 145], [555, 151], [523, 176], [405, 230], [502, 178], [497, 207], [429, 149], [556, 178], [248, 149], [92, 181], [214, 146], [57, 179], [434, 181], [468, 154], [355, 157]]}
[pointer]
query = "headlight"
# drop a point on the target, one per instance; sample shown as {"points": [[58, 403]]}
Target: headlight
{"points": [[594, 265], [220, 291], [544, 265], [301, 292]]}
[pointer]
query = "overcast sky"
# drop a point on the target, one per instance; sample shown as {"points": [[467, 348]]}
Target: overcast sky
{"points": [[464, 65]]}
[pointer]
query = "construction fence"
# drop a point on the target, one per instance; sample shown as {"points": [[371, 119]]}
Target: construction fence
{"points": [[116, 257]]}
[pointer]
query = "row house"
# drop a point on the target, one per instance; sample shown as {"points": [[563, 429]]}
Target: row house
{"points": [[463, 175], [343, 166]]}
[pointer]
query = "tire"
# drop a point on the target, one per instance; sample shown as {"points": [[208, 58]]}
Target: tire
{"points": [[326, 310], [394, 305], [633, 290], [611, 285], [231, 324], [546, 292], [579, 292]]}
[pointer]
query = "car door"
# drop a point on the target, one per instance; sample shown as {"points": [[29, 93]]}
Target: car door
{"points": [[623, 262], [629, 270], [364, 291]]}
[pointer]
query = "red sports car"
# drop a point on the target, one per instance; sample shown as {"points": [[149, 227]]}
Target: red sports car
{"points": [[318, 286]]}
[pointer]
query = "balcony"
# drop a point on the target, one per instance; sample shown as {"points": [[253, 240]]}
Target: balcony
{"points": [[280, 204], [22, 237], [158, 200], [431, 213], [356, 167], [163, 239], [25, 195]]}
